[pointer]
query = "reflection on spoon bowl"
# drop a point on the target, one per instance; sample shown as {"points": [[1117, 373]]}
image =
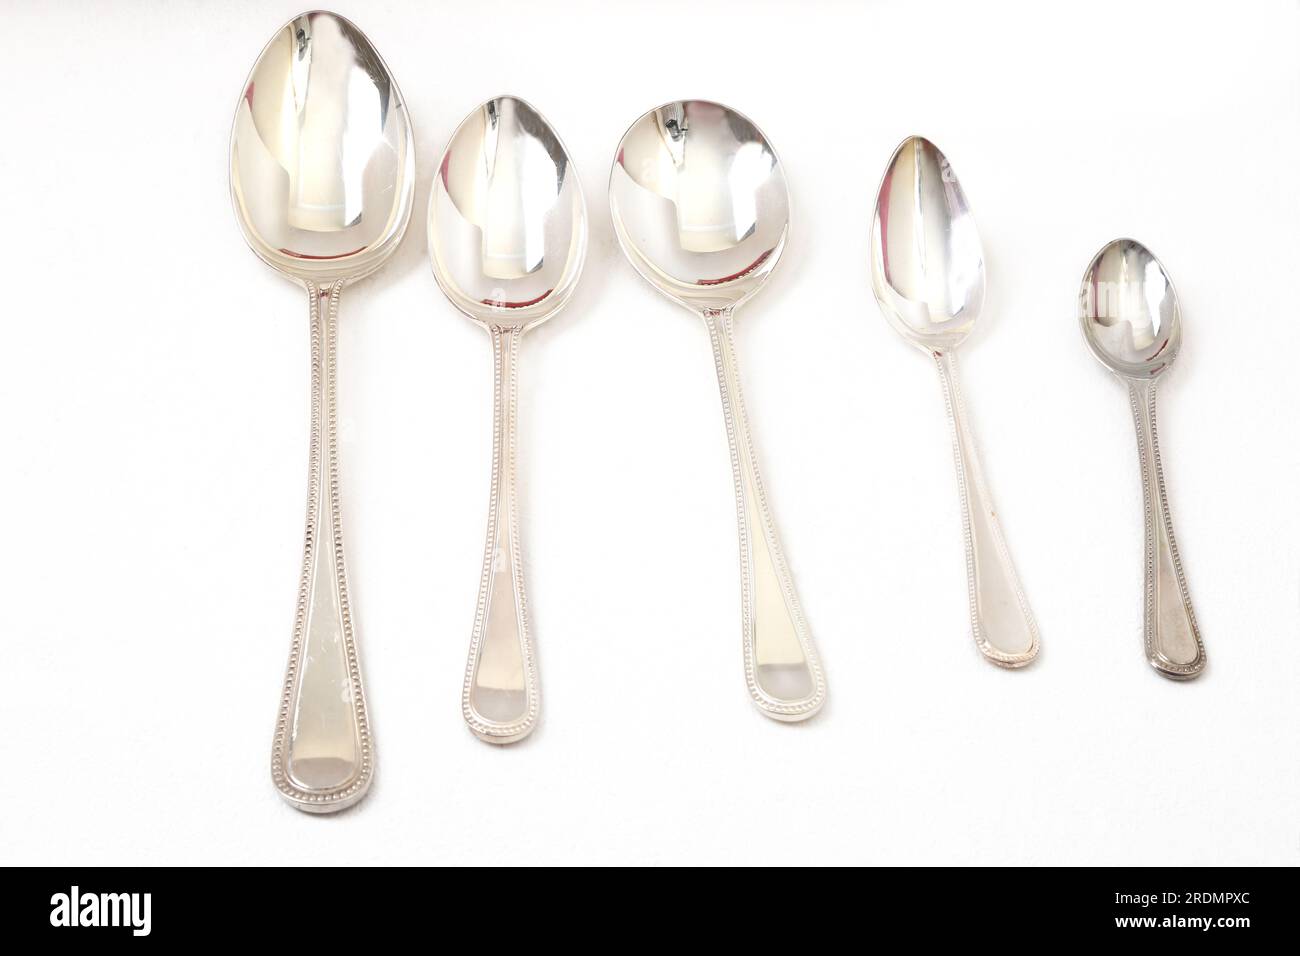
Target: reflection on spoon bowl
{"points": [[322, 169], [927, 264], [1129, 310], [507, 221], [700, 203]]}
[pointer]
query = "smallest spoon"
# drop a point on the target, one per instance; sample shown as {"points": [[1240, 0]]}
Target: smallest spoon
{"points": [[1128, 311]]}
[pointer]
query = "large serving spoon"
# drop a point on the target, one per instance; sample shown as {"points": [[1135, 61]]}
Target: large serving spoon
{"points": [[927, 270], [322, 171], [701, 209], [507, 236], [1129, 314]]}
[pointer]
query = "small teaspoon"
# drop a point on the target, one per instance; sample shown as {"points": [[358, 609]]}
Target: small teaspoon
{"points": [[1129, 315]]}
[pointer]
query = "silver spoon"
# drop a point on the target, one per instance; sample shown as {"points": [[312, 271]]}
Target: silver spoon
{"points": [[322, 171], [701, 209], [927, 270], [1128, 311], [507, 236]]}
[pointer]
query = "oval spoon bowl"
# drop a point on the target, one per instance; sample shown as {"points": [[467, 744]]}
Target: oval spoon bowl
{"points": [[699, 202], [1128, 310], [322, 169], [927, 264], [507, 218]]}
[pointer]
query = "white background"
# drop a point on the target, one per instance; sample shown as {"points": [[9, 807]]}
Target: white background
{"points": [[154, 386]]}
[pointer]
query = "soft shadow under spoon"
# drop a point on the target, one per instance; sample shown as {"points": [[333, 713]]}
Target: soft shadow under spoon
{"points": [[927, 271], [507, 236], [1128, 311], [701, 208], [322, 171]]}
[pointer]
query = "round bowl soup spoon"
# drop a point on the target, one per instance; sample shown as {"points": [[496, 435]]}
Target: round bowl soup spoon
{"points": [[322, 172], [1129, 314], [701, 208], [927, 271], [507, 236]]}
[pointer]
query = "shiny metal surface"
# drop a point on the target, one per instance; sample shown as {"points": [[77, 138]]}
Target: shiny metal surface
{"points": [[927, 264], [1128, 311], [322, 164], [322, 177], [927, 271], [700, 203], [507, 237], [507, 221], [701, 209]]}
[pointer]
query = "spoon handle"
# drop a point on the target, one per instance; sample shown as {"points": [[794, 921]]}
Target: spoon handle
{"points": [[1001, 621], [1170, 635], [322, 759], [500, 698], [782, 669]]}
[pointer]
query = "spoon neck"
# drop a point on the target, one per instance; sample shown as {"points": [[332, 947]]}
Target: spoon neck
{"points": [[946, 360], [323, 289], [718, 316], [1144, 387]]}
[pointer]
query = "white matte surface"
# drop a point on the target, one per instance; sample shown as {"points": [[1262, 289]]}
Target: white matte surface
{"points": [[154, 380]]}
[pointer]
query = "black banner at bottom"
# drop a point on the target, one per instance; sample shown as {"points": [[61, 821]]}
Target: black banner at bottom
{"points": [[333, 906]]}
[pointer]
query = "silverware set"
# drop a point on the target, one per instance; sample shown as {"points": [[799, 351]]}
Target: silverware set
{"points": [[322, 172]]}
